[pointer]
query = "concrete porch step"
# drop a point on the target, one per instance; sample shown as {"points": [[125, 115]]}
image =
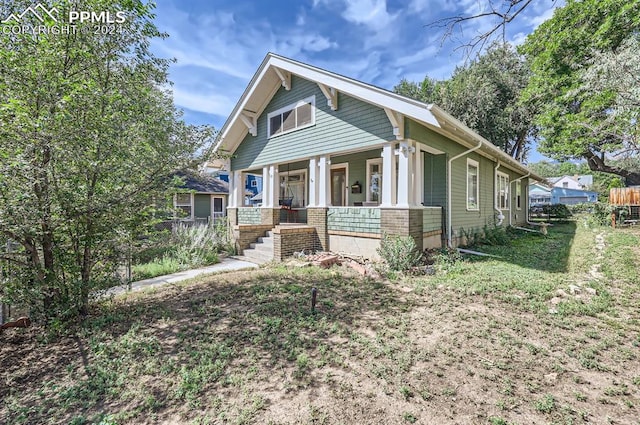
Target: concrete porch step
{"points": [[261, 251], [255, 257], [264, 241], [262, 248]]}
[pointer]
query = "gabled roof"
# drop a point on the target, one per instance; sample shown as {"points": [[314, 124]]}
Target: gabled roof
{"points": [[202, 183], [275, 71]]}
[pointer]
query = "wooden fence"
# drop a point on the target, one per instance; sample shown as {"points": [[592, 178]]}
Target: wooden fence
{"points": [[624, 196]]}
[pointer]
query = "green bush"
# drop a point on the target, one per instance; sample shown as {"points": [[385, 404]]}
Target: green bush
{"points": [[560, 211], [195, 245], [494, 235], [400, 253], [184, 248]]}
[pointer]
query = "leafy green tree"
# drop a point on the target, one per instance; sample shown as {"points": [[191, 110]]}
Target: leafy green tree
{"points": [[88, 136], [484, 95], [583, 60]]}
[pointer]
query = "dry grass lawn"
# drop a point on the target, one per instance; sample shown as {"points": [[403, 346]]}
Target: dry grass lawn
{"points": [[521, 339]]}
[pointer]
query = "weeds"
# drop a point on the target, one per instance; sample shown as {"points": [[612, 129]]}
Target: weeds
{"points": [[400, 253], [187, 247], [546, 404], [477, 344]]}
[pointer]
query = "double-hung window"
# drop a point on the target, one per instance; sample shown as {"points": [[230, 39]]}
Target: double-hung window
{"points": [[292, 117], [473, 185], [518, 195], [502, 191], [183, 203]]}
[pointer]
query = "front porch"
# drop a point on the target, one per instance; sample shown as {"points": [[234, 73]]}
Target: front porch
{"points": [[348, 201], [352, 230]]}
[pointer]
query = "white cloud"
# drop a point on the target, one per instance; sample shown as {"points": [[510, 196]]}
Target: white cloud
{"points": [[416, 57], [371, 13], [203, 101], [535, 21]]}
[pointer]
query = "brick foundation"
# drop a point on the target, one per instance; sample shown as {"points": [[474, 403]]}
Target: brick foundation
{"points": [[402, 222], [232, 215], [288, 240], [317, 217], [270, 216]]}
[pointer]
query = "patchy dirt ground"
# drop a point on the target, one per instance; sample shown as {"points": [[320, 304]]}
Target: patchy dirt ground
{"points": [[478, 343]]}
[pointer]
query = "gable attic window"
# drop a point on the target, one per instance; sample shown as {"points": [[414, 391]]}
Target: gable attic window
{"points": [[292, 117]]}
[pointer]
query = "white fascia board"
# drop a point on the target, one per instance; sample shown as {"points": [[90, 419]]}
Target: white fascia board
{"points": [[487, 146], [367, 93], [237, 110]]}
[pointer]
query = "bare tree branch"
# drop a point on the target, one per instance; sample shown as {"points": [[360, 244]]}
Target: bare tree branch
{"points": [[505, 14]]}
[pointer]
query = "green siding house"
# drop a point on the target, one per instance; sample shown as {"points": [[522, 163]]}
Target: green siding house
{"points": [[344, 162]]}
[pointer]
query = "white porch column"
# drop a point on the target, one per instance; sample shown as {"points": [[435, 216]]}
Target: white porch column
{"points": [[237, 189], [388, 171], [265, 187], [313, 182], [405, 165], [324, 185], [273, 186], [418, 176]]}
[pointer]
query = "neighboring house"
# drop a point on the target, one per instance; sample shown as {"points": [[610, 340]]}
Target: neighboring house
{"points": [[350, 162], [540, 194], [204, 199], [253, 186], [572, 182]]}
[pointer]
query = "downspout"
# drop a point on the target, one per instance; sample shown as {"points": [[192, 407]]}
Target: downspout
{"points": [[516, 181], [449, 224], [495, 198]]}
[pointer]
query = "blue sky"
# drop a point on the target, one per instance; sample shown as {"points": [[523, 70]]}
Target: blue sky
{"points": [[219, 44]]}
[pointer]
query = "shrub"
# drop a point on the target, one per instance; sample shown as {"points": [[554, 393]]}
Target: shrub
{"points": [[400, 253], [195, 245], [495, 235], [556, 211], [445, 260]]}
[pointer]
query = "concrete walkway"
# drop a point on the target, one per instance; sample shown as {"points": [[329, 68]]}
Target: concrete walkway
{"points": [[226, 265]]}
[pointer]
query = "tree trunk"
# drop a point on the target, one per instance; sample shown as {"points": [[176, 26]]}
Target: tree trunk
{"points": [[597, 163]]}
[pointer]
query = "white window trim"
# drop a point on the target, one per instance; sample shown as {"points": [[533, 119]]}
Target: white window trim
{"points": [[518, 195], [305, 201], [213, 208], [477, 165], [310, 99], [344, 165], [368, 182], [497, 194], [191, 205]]}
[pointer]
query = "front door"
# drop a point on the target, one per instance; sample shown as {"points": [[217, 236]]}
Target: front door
{"points": [[339, 187]]}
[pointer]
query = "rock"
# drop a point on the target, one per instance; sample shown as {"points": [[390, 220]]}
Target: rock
{"points": [[358, 267], [326, 261], [573, 289], [561, 293], [555, 301], [553, 311], [590, 291]]}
